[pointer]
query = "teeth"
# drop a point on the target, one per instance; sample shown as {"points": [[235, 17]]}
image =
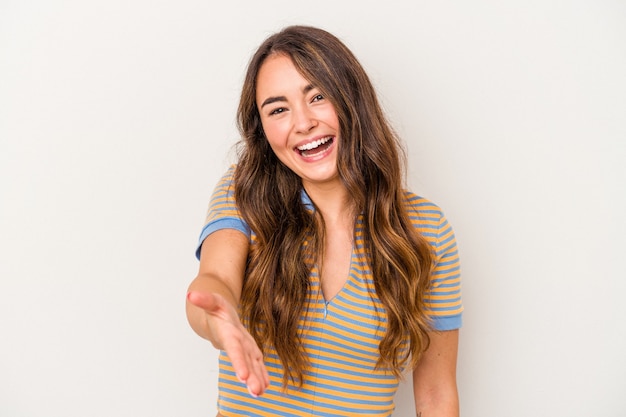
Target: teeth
{"points": [[314, 144]]}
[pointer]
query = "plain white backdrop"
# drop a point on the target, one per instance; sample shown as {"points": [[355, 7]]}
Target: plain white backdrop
{"points": [[117, 118]]}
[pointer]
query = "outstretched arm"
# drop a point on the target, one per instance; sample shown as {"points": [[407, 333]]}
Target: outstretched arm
{"points": [[434, 378], [212, 301]]}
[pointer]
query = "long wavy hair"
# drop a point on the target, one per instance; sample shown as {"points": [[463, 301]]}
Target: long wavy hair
{"points": [[268, 195]]}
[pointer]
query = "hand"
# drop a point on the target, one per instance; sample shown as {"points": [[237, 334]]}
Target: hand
{"points": [[231, 336]]}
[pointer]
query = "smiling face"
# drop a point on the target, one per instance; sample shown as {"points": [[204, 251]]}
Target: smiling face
{"points": [[300, 124]]}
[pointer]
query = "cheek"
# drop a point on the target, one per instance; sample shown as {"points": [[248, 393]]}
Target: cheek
{"points": [[330, 115], [274, 134]]}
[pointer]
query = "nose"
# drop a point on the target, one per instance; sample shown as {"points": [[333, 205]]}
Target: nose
{"points": [[304, 119]]}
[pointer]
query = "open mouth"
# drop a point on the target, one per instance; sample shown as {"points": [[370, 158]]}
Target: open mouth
{"points": [[316, 147]]}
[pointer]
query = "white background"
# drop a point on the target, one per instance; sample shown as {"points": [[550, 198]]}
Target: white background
{"points": [[117, 118]]}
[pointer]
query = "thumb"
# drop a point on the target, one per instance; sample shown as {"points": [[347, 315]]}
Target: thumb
{"points": [[205, 300]]}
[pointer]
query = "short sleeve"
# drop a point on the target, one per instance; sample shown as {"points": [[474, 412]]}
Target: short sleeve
{"points": [[222, 212], [443, 301]]}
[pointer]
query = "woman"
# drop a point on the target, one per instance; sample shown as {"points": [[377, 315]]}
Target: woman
{"points": [[321, 279]]}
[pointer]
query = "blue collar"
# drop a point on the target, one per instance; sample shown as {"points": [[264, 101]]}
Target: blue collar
{"points": [[306, 200]]}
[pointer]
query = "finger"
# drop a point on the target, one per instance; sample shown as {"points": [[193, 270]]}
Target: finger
{"points": [[238, 358], [261, 376], [247, 360], [266, 376], [258, 381]]}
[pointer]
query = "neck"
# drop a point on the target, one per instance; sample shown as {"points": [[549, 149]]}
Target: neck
{"points": [[333, 202]]}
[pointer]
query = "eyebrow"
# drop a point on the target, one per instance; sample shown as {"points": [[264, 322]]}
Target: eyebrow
{"points": [[271, 100]]}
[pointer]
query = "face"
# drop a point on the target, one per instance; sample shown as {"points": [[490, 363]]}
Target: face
{"points": [[300, 124]]}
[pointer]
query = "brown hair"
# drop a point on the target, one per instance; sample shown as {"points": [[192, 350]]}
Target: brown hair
{"points": [[370, 165]]}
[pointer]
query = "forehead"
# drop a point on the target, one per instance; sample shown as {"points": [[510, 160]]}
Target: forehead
{"points": [[278, 73]]}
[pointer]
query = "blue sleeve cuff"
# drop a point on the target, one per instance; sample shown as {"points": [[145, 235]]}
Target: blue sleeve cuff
{"points": [[447, 323], [219, 224]]}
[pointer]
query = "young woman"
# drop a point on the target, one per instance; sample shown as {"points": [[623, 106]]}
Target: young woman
{"points": [[322, 280]]}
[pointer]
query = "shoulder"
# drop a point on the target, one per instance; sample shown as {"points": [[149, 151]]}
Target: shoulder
{"points": [[228, 177], [224, 188], [420, 209], [428, 219], [223, 212]]}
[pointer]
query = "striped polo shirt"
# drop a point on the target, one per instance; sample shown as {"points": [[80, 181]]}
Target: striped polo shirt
{"points": [[340, 335]]}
